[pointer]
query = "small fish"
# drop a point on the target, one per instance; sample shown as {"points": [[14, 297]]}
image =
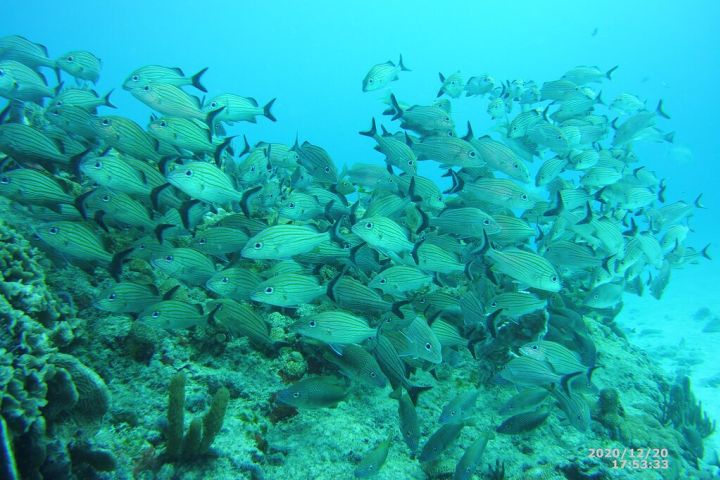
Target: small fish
{"points": [[472, 457], [170, 100], [346, 292], [397, 152], [583, 74], [242, 321], [160, 74], [526, 268], [358, 364], [627, 104], [72, 120], [516, 304], [317, 161], [16, 47], [235, 283], [127, 297], [234, 108], [465, 222], [422, 342], [448, 151], [24, 143], [373, 460], [460, 408], [383, 234], [314, 392], [452, 85], [523, 422], [400, 279], [529, 371], [425, 120], [80, 64], [281, 242], [335, 328], [500, 157], [440, 441], [86, 99], [287, 290], [499, 191], [432, 258], [29, 186], [409, 425], [527, 399], [188, 134], [219, 241], [604, 296], [380, 75], [575, 408], [125, 136], [20, 82], [74, 240], [204, 181], [173, 315], [562, 360], [479, 85], [185, 264]]}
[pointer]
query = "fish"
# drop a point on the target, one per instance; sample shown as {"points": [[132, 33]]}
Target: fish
{"points": [[501, 157], [84, 98], [281, 242], [409, 425], [127, 297], [400, 279], [173, 315], [380, 75], [524, 267], [499, 191], [479, 85], [73, 120], [425, 120], [432, 258], [166, 75], [383, 234], [335, 328], [604, 296], [465, 222], [460, 408], [287, 290], [20, 82], [440, 441], [170, 100], [242, 321], [349, 293], [516, 304], [75, 240], [575, 408], [452, 85], [184, 264], [26, 144], [19, 48], [219, 241], [373, 460], [125, 136], [234, 108], [317, 161], [234, 283], [81, 64], [562, 360], [448, 151], [527, 399], [188, 134], [584, 74], [314, 392], [523, 422], [27, 185], [397, 153], [470, 461], [358, 364], [204, 181], [529, 371]]}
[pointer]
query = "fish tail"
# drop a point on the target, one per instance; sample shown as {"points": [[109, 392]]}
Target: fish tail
{"points": [[246, 198], [396, 308], [588, 215], [372, 132], [396, 106], [160, 231], [414, 253], [210, 119], [698, 202], [402, 65], [116, 264], [266, 110], [598, 98], [559, 208], [609, 73], [106, 99], [425, 223], [669, 137], [705, 252], [661, 111], [155, 195], [414, 392], [195, 79], [565, 380], [220, 149]]}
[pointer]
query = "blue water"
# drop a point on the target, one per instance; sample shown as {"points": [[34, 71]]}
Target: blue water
{"points": [[312, 56]]}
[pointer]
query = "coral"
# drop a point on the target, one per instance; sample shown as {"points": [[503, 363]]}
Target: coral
{"points": [[93, 398], [201, 432]]}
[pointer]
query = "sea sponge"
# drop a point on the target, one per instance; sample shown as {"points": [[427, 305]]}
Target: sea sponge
{"points": [[93, 396]]}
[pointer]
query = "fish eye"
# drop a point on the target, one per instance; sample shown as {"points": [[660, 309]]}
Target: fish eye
{"points": [[327, 169], [112, 296], [428, 347], [383, 281], [202, 241], [5, 180], [524, 196], [373, 374], [296, 394], [486, 222], [106, 198], [163, 123], [146, 88], [515, 165], [98, 164], [291, 204], [371, 80], [155, 314], [472, 154], [53, 230], [252, 169], [188, 173], [169, 258], [135, 78], [59, 103], [70, 58], [554, 278], [369, 225], [534, 347], [596, 296], [105, 122], [213, 104], [269, 290], [258, 245], [312, 323], [225, 280], [493, 304]]}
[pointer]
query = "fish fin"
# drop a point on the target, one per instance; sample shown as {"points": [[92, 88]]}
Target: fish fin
{"points": [[415, 249], [195, 79], [425, 220], [185, 212], [442, 77], [660, 110], [106, 99], [246, 147], [414, 392], [705, 252], [560, 208], [565, 380], [220, 149], [337, 348], [491, 322], [353, 252], [266, 110], [588, 215], [610, 72], [99, 219], [246, 198], [372, 132], [698, 202], [411, 191], [210, 121], [79, 203], [155, 195]]}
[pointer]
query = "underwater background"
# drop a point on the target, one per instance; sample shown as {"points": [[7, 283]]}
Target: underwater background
{"points": [[312, 57]]}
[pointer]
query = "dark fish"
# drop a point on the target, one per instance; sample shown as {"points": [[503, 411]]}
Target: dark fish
{"points": [[373, 461], [523, 422], [314, 392], [440, 441]]}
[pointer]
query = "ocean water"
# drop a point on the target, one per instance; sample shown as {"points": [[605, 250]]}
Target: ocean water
{"points": [[312, 57]]}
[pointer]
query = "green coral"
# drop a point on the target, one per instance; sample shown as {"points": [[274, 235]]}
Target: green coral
{"points": [[201, 432]]}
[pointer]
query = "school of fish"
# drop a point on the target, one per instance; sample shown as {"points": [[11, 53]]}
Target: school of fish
{"points": [[549, 218]]}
